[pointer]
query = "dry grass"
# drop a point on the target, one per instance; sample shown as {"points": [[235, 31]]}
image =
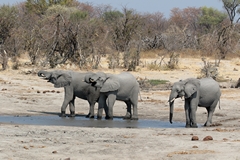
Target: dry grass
{"points": [[190, 152], [152, 54]]}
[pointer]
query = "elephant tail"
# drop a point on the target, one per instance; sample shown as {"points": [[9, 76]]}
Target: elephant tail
{"points": [[219, 104], [140, 96]]}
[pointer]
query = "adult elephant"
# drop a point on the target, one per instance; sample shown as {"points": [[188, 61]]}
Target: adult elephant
{"points": [[196, 92], [73, 87], [123, 87]]}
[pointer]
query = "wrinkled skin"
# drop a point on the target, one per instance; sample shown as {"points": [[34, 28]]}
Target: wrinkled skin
{"points": [[196, 92], [74, 86], [123, 87]]}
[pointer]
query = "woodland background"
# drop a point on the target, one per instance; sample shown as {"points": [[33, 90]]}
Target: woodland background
{"points": [[60, 32]]}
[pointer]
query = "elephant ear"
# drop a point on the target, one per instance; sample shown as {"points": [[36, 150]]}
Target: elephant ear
{"points": [[62, 80], [110, 85], [190, 89]]}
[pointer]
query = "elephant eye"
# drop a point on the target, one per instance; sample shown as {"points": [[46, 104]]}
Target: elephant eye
{"points": [[178, 90]]}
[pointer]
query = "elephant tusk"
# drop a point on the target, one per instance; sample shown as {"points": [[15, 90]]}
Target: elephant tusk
{"points": [[172, 100], [91, 80], [182, 98]]}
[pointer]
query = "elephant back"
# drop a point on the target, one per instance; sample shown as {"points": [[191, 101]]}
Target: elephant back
{"points": [[209, 85], [127, 80], [209, 91]]}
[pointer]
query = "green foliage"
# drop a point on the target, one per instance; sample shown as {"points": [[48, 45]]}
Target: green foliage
{"points": [[211, 17], [78, 15], [40, 6], [71, 13], [36, 6], [58, 9], [155, 82], [112, 16], [60, 2]]}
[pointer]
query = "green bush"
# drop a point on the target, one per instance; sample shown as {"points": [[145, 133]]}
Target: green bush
{"points": [[155, 82]]}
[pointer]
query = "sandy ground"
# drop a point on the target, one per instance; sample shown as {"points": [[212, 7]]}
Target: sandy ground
{"points": [[22, 94]]}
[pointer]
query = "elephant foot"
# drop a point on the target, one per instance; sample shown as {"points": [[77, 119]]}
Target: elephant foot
{"points": [[134, 118], [71, 115], [99, 117], [207, 124], [194, 126], [89, 116], [127, 116], [108, 118], [188, 126], [63, 114]]}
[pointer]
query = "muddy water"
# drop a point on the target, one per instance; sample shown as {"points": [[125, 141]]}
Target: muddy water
{"points": [[84, 122]]}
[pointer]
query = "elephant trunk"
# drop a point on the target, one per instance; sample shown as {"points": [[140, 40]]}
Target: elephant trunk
{"points": [[172, 97], [171, 104]]}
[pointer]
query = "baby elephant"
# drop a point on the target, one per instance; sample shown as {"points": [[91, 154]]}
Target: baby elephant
{"points": [[73, 87], [196, 92]]}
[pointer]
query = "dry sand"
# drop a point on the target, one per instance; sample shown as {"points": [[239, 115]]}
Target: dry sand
{"points": [[23, 95]]}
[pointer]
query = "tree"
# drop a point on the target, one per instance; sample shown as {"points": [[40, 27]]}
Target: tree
{"points": [[232, 8], [8, 16], [39, 7], [174, 40], [185, 18], [211, 17], [124, 30]]}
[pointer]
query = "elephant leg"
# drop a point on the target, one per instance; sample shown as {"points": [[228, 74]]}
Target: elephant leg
{"points": [[67, 98], [135, 109], [129, 110], [101, 106], [193, 110], [210, 111], [91, 110], [72, 108], [187, 113], [63, 108], [110, 103], [92, 99]]}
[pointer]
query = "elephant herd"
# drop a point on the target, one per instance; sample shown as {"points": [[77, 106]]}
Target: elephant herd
{"points": [[106, 88]]}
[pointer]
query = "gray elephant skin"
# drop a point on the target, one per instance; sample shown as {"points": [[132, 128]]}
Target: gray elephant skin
{"points": [[203, 92], [74, 86], [123, 87]]}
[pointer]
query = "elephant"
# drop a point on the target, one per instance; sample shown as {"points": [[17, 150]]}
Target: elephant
{"points": [[74, 86], [203, 92], [122, 87]]}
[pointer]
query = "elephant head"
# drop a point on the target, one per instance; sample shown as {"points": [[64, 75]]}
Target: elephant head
{"points": [[185, 88], [58, 78], [103, 81]]}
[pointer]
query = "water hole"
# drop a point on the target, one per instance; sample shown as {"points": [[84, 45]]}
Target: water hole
{"points": [[81, 121]]}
